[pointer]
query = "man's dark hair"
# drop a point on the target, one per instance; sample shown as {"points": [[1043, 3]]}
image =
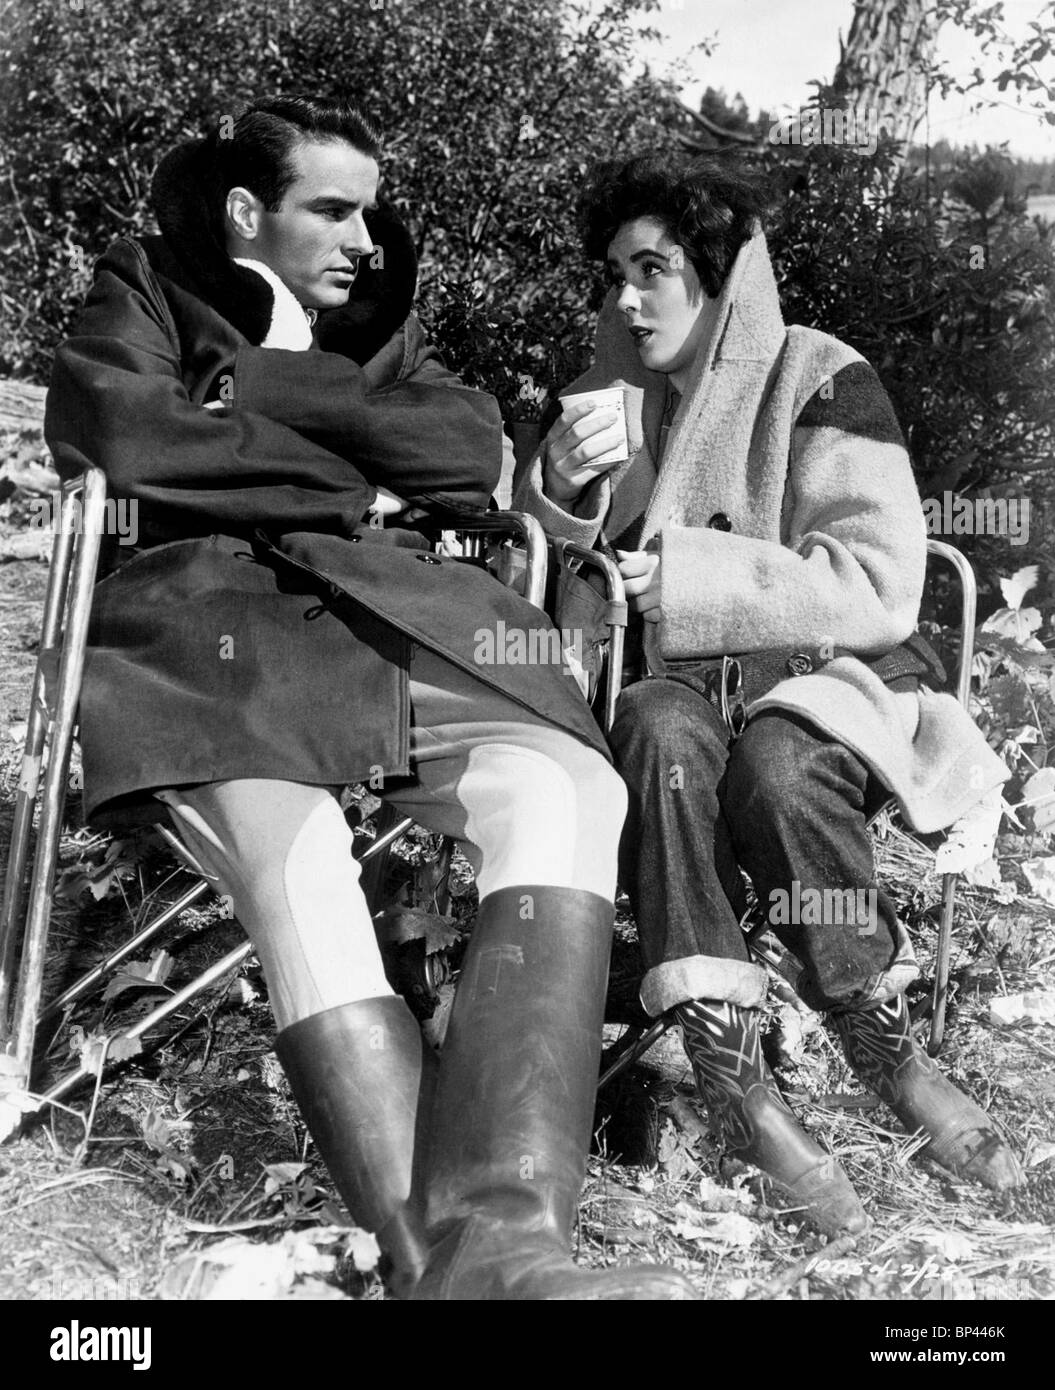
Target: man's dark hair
{"points": [[707, 203], [258, 152]]}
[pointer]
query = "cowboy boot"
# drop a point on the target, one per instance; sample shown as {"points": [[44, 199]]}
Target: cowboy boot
{"points": [[879, 1045], [514, 1107], [362, 1078], [751, 1117]]}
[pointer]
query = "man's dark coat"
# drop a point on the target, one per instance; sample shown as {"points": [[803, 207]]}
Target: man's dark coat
{"points": [[263, 628]]}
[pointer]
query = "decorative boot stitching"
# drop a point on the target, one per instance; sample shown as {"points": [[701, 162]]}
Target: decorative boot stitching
{"points": [[725, 1048], [878, 1044]]}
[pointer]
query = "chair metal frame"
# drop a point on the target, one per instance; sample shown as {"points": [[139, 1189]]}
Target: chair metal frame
{"points": [[44, 773]]}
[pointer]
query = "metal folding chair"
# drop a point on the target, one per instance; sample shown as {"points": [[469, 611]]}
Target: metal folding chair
{"points": [[968, 613], [43, 780], [637, 1040]]}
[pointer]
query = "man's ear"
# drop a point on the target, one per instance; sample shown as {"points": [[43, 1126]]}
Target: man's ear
{"points": [[243, 211]]}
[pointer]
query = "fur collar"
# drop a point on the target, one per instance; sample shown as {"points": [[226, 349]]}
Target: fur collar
{"points": [[380, 300]]}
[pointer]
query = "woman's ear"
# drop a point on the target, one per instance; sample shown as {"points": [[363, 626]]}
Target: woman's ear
{"points": [[243, 211]]}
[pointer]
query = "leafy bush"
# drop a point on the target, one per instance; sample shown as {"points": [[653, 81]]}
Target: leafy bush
{"points": [[492, 113], [946, 291], [946, 287]]}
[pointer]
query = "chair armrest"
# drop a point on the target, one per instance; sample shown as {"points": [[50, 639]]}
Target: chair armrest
{"points": [[493, 524], [571, 555], [968, 612]]}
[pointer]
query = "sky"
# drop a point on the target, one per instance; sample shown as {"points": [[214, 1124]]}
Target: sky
{"points": [[769, 50]]}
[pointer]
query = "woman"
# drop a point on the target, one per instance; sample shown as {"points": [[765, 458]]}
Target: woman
{"points": [[773, 546]]}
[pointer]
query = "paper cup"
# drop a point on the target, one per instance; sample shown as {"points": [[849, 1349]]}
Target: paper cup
{"points": [[610, 399]]}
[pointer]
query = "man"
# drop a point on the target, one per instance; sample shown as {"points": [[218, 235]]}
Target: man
{"points": [[268, 644]]}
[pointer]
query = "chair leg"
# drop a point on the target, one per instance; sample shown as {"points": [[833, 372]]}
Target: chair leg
{"points": [[227, 965], [942, 962], [29, 776], [636, 1045], [19, 1044]]}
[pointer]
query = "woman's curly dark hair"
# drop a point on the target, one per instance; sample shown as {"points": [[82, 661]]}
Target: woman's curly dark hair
{"points": [[708, 204]]}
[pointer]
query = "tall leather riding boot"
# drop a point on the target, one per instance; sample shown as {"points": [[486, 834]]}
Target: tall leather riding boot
{"points": [[748, 1113], [879, 1045], [363, 1081], [514, 1107]]}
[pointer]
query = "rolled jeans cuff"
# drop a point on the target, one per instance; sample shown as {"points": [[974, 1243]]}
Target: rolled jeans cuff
{"points": [[702, 977], [888, 984]]}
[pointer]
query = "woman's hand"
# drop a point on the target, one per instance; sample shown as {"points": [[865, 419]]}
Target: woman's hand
{"points": [[640, 571], [576, 440]]}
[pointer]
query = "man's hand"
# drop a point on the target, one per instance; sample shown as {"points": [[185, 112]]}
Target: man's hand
{"points": [[640, 571], [576, 440], [508, 456], [387, 503]]}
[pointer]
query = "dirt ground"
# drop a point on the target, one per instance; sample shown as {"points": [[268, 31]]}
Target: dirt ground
{"points": [[187, 1172]]}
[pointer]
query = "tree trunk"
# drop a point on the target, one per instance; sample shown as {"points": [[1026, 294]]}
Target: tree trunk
{"points": [[882, 64]]}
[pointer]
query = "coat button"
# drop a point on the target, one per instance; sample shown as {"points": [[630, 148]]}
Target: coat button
{"points": [[428, 559], [720, 522], [799, 664]]}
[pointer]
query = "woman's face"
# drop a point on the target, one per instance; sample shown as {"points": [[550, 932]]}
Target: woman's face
{"points": [[661, 297]]}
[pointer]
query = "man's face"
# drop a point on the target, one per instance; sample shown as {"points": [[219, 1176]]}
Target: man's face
{"points": [[314, 241]]}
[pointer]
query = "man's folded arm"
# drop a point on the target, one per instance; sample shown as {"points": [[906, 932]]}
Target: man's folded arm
{"points": [[117, 400], [426, 436]]}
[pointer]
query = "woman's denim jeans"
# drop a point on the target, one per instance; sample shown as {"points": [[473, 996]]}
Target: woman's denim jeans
{"points": [[785, 803]]}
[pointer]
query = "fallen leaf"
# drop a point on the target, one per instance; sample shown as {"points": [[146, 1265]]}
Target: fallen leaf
{"points": [[727, 1228], [715, 1197], [1037, 1006], [1039, 795], [971, 840], [1040, 875], [985, 875], [415, 924], [123, 1047], [440, 933], [1018, 585], [362, 1249], [281, 1175], [242, 992], [1028, 733], [35, 544], [140, 974], [232, 1269], [1042, 1153], [951, 1245]]}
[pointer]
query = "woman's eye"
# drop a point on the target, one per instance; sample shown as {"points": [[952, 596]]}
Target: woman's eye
{"points": [[650, 269]]}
